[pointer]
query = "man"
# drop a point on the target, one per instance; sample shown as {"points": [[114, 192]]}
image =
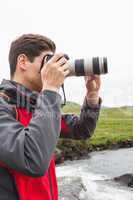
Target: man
{"points": [[31, 122]]}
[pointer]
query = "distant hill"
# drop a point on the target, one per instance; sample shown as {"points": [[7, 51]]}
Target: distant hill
{"points": [[119, 107], [71, 107], [124, 111]]}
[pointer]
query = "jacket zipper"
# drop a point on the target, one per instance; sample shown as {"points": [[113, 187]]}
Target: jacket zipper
{"points": [[50, 182]]}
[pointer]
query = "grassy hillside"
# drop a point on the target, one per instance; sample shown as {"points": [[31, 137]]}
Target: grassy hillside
{"points": [[115, 125]]}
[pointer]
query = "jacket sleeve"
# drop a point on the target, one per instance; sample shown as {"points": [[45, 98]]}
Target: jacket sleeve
{"points": [[29, 149], [82, 126]]}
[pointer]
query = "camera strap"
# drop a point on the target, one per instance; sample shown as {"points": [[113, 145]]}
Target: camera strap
{"points": [[64, 102]]}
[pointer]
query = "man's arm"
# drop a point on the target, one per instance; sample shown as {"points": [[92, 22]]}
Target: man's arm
{"points": [[29, 149], [83, 127]]}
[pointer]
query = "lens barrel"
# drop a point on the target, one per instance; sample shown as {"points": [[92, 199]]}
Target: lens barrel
{"points": [[84, 67]]}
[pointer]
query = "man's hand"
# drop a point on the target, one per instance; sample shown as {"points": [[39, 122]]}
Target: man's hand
{"points": [[54, 72], [93, 83]]}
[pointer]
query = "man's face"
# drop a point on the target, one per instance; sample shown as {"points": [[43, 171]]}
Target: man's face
{"points": [[32, 73]]}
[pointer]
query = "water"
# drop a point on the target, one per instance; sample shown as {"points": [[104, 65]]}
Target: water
{"points": [[93, 172]]}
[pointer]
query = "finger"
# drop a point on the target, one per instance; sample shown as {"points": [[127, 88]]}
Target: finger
{"points": [[61, 61], [97, 79], [56, 57], [94, 78], [64, 67], [89, 78], [66, 73]]}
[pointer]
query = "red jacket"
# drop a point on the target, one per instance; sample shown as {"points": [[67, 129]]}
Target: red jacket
{"points": [[30, 188]]}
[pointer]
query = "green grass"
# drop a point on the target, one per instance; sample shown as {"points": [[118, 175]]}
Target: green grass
{"points": [[115, 125]]}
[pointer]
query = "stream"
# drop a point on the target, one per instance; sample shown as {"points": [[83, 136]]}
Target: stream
{"points": [[91, 178]]}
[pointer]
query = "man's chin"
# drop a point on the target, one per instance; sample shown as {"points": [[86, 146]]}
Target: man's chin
{"points": [[38, 88]]}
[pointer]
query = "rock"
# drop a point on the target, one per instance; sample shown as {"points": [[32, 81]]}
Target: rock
{"points": [[126, 179], [70, 188], [58, 156]]}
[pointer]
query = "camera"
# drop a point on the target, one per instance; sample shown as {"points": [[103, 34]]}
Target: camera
{"points": [[84, 67]]}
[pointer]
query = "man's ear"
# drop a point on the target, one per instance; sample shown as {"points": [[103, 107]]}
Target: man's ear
{"points": [[22, 61]]}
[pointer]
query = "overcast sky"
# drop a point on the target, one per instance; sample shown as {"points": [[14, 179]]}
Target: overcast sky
{"points": [[80, 28]]}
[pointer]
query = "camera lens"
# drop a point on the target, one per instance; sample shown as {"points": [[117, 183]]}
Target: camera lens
{"points": [[88, 66]]}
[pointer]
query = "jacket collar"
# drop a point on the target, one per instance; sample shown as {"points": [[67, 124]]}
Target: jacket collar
{"points": [[19, 95]]}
